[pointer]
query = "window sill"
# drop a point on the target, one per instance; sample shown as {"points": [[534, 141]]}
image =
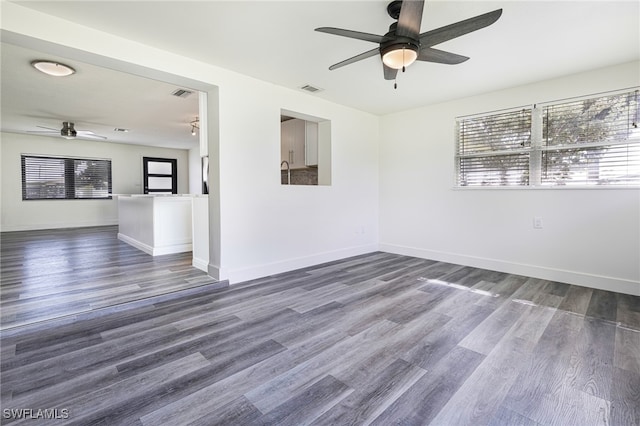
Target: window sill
{"points": [[540, 187]]}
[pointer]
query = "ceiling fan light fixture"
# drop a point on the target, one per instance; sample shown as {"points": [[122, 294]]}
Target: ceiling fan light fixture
{"points": [[400, 55], [55, 69]]}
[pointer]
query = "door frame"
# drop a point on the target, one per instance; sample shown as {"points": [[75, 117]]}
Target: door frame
{"points": [[146, 175]]}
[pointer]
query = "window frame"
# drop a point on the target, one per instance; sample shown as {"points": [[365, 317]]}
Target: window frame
{"points": [[70, 186], [538, 148]]}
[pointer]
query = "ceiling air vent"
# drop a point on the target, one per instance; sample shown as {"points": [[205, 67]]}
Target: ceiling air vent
{"points": [[182, 93], [311, 89]]}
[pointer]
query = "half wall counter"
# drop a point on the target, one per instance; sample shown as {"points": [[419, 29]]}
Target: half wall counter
{"points": [[156, 224]]}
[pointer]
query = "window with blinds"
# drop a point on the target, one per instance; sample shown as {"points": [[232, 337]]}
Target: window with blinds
{"points": [[585, 142], [45, 178], [592, 141], [494, 150]]}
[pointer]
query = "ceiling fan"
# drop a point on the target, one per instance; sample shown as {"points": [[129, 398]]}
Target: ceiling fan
{"points": [[403, 44], [68, 132]]}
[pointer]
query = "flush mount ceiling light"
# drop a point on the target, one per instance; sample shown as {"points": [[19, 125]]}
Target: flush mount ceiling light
{"points": [[55, 69]]}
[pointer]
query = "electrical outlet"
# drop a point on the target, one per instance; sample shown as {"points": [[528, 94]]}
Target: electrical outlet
{"points": [[537, 222]]}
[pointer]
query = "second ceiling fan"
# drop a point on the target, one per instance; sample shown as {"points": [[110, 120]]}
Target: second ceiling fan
{"points": [[403, 43], [68, 131]]}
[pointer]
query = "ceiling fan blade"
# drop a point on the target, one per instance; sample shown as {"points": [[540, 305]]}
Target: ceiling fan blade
{"points": [[451, 31], [45, 132], [374, 38], [410, 18], [365, 55], [49, 128], [429, 54], [389, 73], [90, 134]]}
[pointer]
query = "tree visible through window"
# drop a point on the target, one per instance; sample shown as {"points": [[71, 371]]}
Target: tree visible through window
{"points": [[494, 150], [591, 141], [46, 178], [594, 141]]}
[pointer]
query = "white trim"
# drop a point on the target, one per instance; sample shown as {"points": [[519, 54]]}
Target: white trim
{"points": [[174, 248], [200, 264], [135, 243], [155, 251], [544, 187], [267, 269], [618, 285], [217, 272], [62, 225]]}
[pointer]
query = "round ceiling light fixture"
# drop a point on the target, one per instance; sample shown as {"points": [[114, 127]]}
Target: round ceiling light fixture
{"points": [[55, 69], [399, 55]]}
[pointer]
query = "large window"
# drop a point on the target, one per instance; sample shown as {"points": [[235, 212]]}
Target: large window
{"points": [[593, 141], [45, 178]]}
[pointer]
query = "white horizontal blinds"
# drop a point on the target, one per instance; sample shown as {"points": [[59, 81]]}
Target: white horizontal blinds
{"points": [[494, 150], [593, 141], [92, 178], [65, 178], [43, 178]]}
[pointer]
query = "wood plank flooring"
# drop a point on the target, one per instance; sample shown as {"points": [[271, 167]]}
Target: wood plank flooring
{"points": [[376, 339], [53, 273]]}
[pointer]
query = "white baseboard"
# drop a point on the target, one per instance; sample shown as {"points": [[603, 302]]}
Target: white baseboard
{"points": [[265, 270], [135, 243], [217, 272], [155, 251], [201, 264], [618, 285], [63, 225], [174, 248]]}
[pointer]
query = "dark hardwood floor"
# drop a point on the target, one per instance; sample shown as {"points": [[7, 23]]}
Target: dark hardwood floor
{"points": [[54, 273], [376, 339]]}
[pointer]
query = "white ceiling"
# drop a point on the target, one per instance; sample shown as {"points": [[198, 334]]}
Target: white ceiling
{"points": [[275, 42], [95, 99]]}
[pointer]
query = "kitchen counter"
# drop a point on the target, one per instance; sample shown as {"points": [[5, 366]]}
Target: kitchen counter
{"points": [[156, 224]]}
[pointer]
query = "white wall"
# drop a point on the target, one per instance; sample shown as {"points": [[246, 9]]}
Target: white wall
{"points": [[258, 226], [195, 171], [126, 170], [267, 227], [591, 237]]}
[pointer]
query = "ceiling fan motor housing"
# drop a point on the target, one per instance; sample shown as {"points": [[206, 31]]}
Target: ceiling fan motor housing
{"points": [[67, 130]]}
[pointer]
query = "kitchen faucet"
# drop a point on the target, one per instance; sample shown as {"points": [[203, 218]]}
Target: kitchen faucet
{"points": [[288, 171]]}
